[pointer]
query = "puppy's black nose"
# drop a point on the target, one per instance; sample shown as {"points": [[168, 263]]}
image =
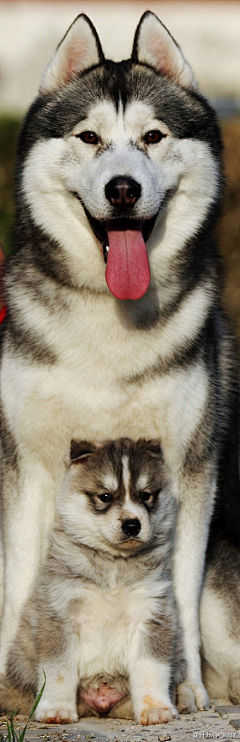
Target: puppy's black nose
{"points": [[131, 527], [123, 191]]}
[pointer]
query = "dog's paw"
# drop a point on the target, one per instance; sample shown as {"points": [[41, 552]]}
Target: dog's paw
{"points": [[185, 699], [234, 686], [155, 712], [200, 694], [56, 714]]}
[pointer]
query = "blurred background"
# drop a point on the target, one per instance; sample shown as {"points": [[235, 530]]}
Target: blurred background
{"points": [[209, 34]]}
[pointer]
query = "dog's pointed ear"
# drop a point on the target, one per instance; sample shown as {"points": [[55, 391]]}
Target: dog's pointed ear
{"points": [[80, 451], [79, 49], [154, 45]]}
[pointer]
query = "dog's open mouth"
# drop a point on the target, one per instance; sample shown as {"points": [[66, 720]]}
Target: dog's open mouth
{"points": [[125, 254]]}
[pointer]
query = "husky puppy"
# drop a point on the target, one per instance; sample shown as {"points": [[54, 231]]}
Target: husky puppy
{"points": [[117, 162], [102, 614]]}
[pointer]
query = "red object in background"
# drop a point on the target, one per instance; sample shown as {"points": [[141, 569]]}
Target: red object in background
{"points": [[3, 314]]}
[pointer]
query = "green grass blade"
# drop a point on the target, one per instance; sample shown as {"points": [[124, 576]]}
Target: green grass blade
{"points": [[36, 702], [9, 736], [13, 733]]}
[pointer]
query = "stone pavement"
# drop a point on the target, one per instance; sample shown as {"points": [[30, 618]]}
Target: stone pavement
{"points": [[221, 721]]}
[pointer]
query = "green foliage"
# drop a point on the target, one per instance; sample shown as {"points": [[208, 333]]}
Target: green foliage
{"points": [[9, 128]]}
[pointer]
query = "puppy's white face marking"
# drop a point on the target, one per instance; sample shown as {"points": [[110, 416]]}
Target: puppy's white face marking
{"points": [[130, 509], [142, 482], [126, 477], [110, 482]]}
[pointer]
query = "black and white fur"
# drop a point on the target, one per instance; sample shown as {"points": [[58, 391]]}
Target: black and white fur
{"points": [[102, 619], [79, 363]]}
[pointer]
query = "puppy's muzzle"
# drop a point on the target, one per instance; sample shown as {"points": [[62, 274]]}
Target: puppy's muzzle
{"points": [[131, 527]]}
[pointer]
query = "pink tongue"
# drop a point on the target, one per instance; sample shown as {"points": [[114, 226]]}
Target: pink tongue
{"points": [[127, 271]]}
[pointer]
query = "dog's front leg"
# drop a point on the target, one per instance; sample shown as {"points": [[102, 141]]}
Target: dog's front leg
{"points": [[150, 664], [195, 510], [58, 702], [149, 682], [28, 506]]}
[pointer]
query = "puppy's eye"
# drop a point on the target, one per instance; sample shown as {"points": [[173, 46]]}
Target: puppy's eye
{"points": [[89, 137], [146, 496], [154, 136], [105, 497]]}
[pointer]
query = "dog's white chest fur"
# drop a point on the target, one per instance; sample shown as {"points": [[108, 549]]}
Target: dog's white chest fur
{"points": [[99, 363], [106, 627]]}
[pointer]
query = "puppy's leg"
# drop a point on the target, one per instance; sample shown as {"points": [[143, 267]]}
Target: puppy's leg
{"points": [[196, 504], [14, 698], [150, 665], [28, 494], [58, 703], [149, 681]]}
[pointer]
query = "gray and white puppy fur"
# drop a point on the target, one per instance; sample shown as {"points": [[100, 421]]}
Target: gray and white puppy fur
{"points": [[102, 620], [107, 150]]}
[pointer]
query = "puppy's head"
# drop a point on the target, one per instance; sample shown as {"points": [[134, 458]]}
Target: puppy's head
{"points": [[116, 495]]}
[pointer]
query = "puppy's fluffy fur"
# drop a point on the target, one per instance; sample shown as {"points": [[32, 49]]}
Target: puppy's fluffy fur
{"points": [[102, 618]]}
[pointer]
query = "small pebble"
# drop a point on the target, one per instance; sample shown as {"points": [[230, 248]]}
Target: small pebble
{"points": [[164, 736]]}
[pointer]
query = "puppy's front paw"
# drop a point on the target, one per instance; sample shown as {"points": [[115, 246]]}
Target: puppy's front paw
{"points": [[56, 714], [155, 712]]}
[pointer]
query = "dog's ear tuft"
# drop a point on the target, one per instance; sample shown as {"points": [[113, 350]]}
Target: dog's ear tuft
{"points": [[80, 451], [79, 50], [154, 449], [154, 45]]}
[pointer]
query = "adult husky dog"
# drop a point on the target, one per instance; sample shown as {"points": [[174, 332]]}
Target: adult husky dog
{"points": [[117, 162]]}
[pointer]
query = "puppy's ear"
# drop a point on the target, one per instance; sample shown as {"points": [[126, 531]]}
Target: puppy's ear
{"points": [[79, 50], [153, 45], [80, 451], [154, 449]]}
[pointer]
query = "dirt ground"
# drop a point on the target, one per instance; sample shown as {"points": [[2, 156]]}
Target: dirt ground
{"points": [[221, 721]]}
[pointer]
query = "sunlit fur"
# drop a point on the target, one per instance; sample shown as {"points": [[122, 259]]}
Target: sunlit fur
{"points": [[78, 363], [102, 619]]}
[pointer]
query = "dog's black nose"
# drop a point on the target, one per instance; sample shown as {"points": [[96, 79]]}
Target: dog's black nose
{"points": [[131, 527], [123, 191]]}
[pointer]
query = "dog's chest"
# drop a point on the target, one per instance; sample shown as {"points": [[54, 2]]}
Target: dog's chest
{"points": [[107, 382], [107, 625]]}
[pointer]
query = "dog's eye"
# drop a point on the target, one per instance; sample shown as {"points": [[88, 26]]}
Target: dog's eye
{"points": [[89, 137], [154, 136], [145, 496], [105, 497]]}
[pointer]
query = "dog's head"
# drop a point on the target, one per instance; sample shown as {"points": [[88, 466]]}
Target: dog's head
{"points": [[116, 495], [109, 147]]}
